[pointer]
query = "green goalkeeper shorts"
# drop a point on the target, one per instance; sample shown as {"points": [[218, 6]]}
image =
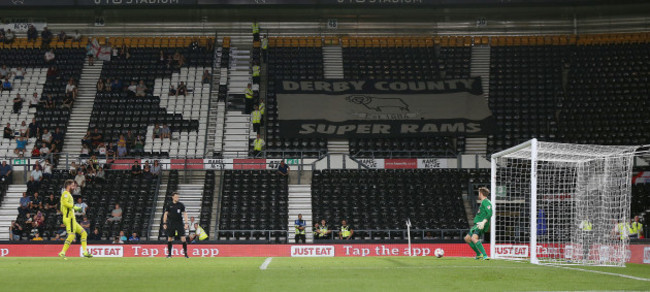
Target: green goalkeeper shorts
{"points": [[475, 230]]}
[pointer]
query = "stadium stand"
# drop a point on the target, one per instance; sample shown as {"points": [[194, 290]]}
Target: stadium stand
{"points": [[185, 112], [207, 200], [640, 198], [134, 194], [297, 58], [253, 200], [382, 200], [46, 79]]}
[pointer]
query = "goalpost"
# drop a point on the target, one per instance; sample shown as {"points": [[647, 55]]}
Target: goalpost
{"points": [[558, 203]]}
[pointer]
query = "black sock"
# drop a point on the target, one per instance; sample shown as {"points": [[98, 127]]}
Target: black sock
{"points": [[169, 248], [185, 247]]}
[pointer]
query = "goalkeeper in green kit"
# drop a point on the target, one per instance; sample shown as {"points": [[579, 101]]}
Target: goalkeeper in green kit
{"points": [[481, 225]]}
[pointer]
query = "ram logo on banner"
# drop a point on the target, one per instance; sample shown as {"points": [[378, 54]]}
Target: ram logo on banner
{"points": [[380, 108]]}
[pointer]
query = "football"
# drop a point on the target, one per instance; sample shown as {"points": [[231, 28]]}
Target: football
{"points": [[439, 252]]}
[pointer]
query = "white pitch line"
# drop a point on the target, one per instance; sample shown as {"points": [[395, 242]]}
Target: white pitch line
{"points": [[607, 273], [266, 263]]}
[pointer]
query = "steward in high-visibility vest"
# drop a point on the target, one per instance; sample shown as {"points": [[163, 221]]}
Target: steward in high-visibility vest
{"points": [[636, 228], [323, 231], [248, 93], [585, 225], [265, 43], [256, 71], [623, 229], [256, 27], [200, 233], [256, 118], [258, 144], [300, 226], [262, 106], [346, 231]]}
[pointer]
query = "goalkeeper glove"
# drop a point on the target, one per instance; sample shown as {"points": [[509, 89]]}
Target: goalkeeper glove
{"points": [[481, 224], [76, 208]]}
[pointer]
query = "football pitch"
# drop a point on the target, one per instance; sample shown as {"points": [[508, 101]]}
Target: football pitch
{"points": [[309, 274]]}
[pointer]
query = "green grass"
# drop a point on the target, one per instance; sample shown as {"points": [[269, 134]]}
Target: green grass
{"points": [[305, 274]]}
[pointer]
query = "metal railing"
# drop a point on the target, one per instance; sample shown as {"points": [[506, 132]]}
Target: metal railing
{"points": [[404, 154], [153, 207], [379, 234], [256, 234]]}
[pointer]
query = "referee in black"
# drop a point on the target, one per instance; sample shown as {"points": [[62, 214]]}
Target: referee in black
{"points": [[173, 223]]}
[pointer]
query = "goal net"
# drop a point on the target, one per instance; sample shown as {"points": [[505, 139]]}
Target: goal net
{"points": [[557, 203]]}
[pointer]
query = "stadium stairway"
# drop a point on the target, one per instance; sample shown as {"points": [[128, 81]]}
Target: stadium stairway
{"points": [[191, 195], [82, 109], [236, 134], [9, 208], [217, 108], [333, 62], [480, 66], [160, 204], [237, 124], [300, 203], [338, 146]]}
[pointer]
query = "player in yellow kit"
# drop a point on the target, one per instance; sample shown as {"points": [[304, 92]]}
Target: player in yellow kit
{"points": [[71, 225]]}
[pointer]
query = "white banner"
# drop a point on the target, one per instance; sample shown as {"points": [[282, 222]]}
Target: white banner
{"points": [[104, 251], [428, 163], [372, 163], [312, 251], [217, 163]]}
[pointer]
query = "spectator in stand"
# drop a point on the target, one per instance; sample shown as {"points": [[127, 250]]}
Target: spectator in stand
{"points": [[57, 140], [8, 132], [85, 224], [25, 202], [172, 90], [19, 74], [136, 170], [15, 230], [134, 238], [23, 130], [100, 85], [97, 138], [141, 89], [10, 36], [116, 214], [34, 129], [32, 34], [21, 146], [37, 237], [116, 86], [49, 102], [6, 172], [207, 77], [76, 37], [138, 146], [85, 151], [47, 168], [101, 150], [156, 169], [179, 60], [51, 204], [46, 36], [100, 175], [36, 152], [49, 56], [125, 54], [82, 205], [283, 169], [87, 140], [80, 178], [44, 151], [165, 132], [71, 89], [147, 175], [111, 151], [35, 178], [4, 72], [90, 52], [182, 89], [62, 36], [117, 240], [130, 140], [36, 203], [122, 237], [52, 73], [131, 89], [346, 232], [47, 137], [6, 86], [39, 222], [156, 132], [95, 235], [18, 103], [121, 146]]}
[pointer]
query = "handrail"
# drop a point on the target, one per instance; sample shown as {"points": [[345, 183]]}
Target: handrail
{"points": [[219, 197], [252, 233], [155, 203], [403, 232], [214, 53]]}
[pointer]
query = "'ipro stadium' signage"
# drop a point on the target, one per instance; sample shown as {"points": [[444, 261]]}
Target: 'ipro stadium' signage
{"points": [[383, 108]]}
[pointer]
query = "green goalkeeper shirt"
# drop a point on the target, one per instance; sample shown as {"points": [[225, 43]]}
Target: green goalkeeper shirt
{"points": [[484, 212]]}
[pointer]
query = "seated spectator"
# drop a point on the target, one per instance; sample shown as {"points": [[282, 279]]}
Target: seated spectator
{"points": [[36, 152], [80, 178], [25, 203], [39, 222], [32, 34], [34, 101], [37, 237], [16, 231], [165, 132], [76, 37], [4, 72], [138, 146], [121, 146], [122, 237], [34, 129], [125, 53], [179, 59], [182, 89], [95, 235], [51, 204], [71, 89], [36, 203], [131, 89], [172, 90], [35, 178], [18, 103], [60, 232], [97, 138], [6, 85], [23, 130], [136, 170], [10, 36], [100, 175], [130, 139], [81, 204], [207, 77], [46, 36], [346, 232], [141, 89], [156, 132], [62, 36], [47, 168], [85, 151], [428, 236], [101, 150], [49, 102], [161, 57], [57, 139], [87, 140], [116, 86], [52, 73], [85, 224], [21, 146], [49, 56], [8, 132], [44, 151], [146, 174], [6, 172], [111, 150], [134, 237], [156, 169], [47, 137], [117, 240], [283, 169], [19, 74], [100, 85], [116, 214]]}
